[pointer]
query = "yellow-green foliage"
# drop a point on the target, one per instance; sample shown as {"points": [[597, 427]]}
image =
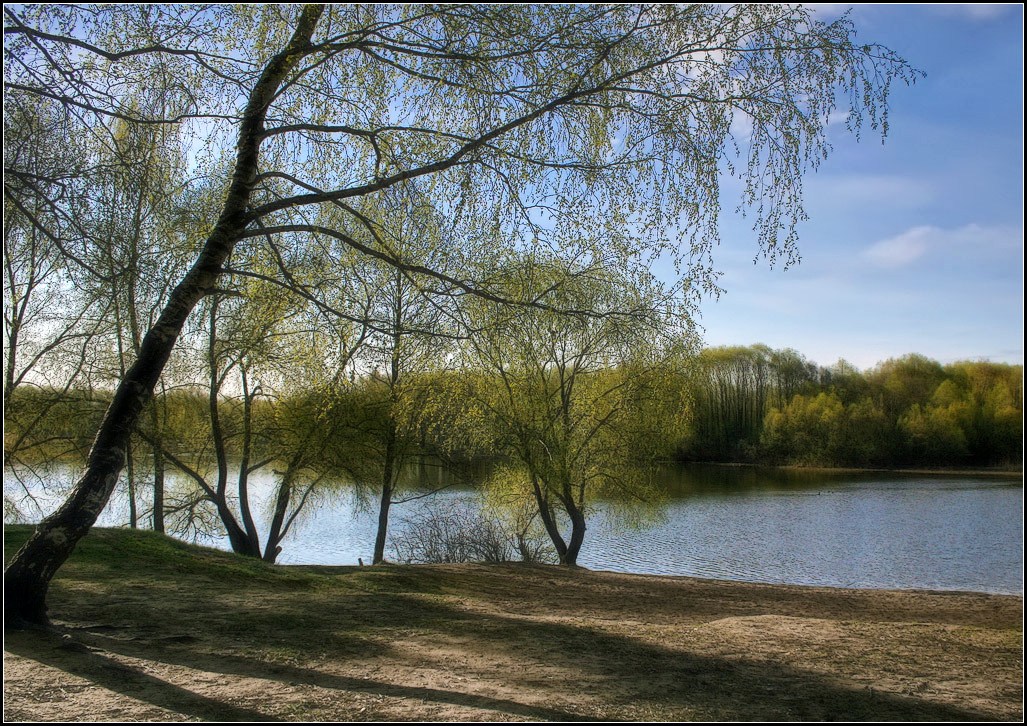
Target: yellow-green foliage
{"points": [[582, 403], [906, 411], [45, 425]]}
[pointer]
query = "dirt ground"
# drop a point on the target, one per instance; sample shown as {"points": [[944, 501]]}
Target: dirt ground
{"points": [[505, 643]]}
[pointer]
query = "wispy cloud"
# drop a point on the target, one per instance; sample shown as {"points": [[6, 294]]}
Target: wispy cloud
{"points": [[892, 191], [902, 249], [909, 246], [741, 125], [980, 11]]}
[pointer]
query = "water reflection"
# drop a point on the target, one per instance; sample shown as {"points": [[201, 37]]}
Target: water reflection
{"points": [[744, 523]]}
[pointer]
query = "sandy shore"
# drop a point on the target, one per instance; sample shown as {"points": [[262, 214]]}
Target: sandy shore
{"points": [[147, 634]]}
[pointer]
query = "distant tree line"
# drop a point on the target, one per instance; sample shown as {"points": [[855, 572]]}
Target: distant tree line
{"points": [[757, 405]]}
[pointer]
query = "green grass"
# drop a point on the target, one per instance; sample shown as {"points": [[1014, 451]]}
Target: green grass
{"points": [[140, 578], [142, 554]]}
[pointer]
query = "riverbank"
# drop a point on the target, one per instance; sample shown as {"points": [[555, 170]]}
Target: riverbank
{"points": [[1000, 473], [154, 629]]}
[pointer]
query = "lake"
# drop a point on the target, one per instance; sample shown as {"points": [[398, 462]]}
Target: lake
{"points": [[867, 530]]}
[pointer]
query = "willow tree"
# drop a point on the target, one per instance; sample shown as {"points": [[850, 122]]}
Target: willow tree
{"points": [[579, 402], [593, 131], [255, 343]]}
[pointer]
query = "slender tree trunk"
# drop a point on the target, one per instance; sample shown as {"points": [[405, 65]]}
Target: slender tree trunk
{"points": [[133, 517], [279, 525], [12, 354], [27, 578], [135, 328], [391, 435], [383, 525], [238, 537], [244, 465], [129, 463], [383, 513], [158, 473], [388, 476], [274, 535]]}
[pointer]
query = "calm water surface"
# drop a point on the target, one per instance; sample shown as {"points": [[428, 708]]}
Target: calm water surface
{"points": [[737, 523]]}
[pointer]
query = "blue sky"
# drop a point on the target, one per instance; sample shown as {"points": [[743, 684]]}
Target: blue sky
{"points": [[916, 245]]}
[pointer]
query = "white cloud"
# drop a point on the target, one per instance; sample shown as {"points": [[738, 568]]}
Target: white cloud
{"points": [[838, 117], [902, 249], [741, 124], [971, 240]]}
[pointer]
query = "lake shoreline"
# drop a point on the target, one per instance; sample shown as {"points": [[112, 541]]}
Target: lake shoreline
{"points": [[154, 629], [922, 471], [799, 585]]}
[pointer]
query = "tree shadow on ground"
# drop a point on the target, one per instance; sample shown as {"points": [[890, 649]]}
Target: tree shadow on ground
{"points": [[83, 661], [51, 649], [614, 595], [620, 676]]}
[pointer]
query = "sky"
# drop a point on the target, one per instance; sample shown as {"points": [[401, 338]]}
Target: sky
{"points": [[914, 245]]}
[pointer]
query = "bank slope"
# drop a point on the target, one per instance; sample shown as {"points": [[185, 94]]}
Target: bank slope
{"points": [[149, 628]]}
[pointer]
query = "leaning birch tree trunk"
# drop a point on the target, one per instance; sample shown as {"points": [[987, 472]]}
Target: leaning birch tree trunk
{"points": [[27, 578]]}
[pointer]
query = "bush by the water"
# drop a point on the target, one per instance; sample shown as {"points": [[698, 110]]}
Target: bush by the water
{"points": [[457, 531]]}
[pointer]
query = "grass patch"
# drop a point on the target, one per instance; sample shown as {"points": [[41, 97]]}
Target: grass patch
{"points": [[143, 555]]}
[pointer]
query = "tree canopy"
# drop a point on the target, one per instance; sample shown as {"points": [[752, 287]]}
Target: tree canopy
{"points": [[597, 134], [601, 131]]}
